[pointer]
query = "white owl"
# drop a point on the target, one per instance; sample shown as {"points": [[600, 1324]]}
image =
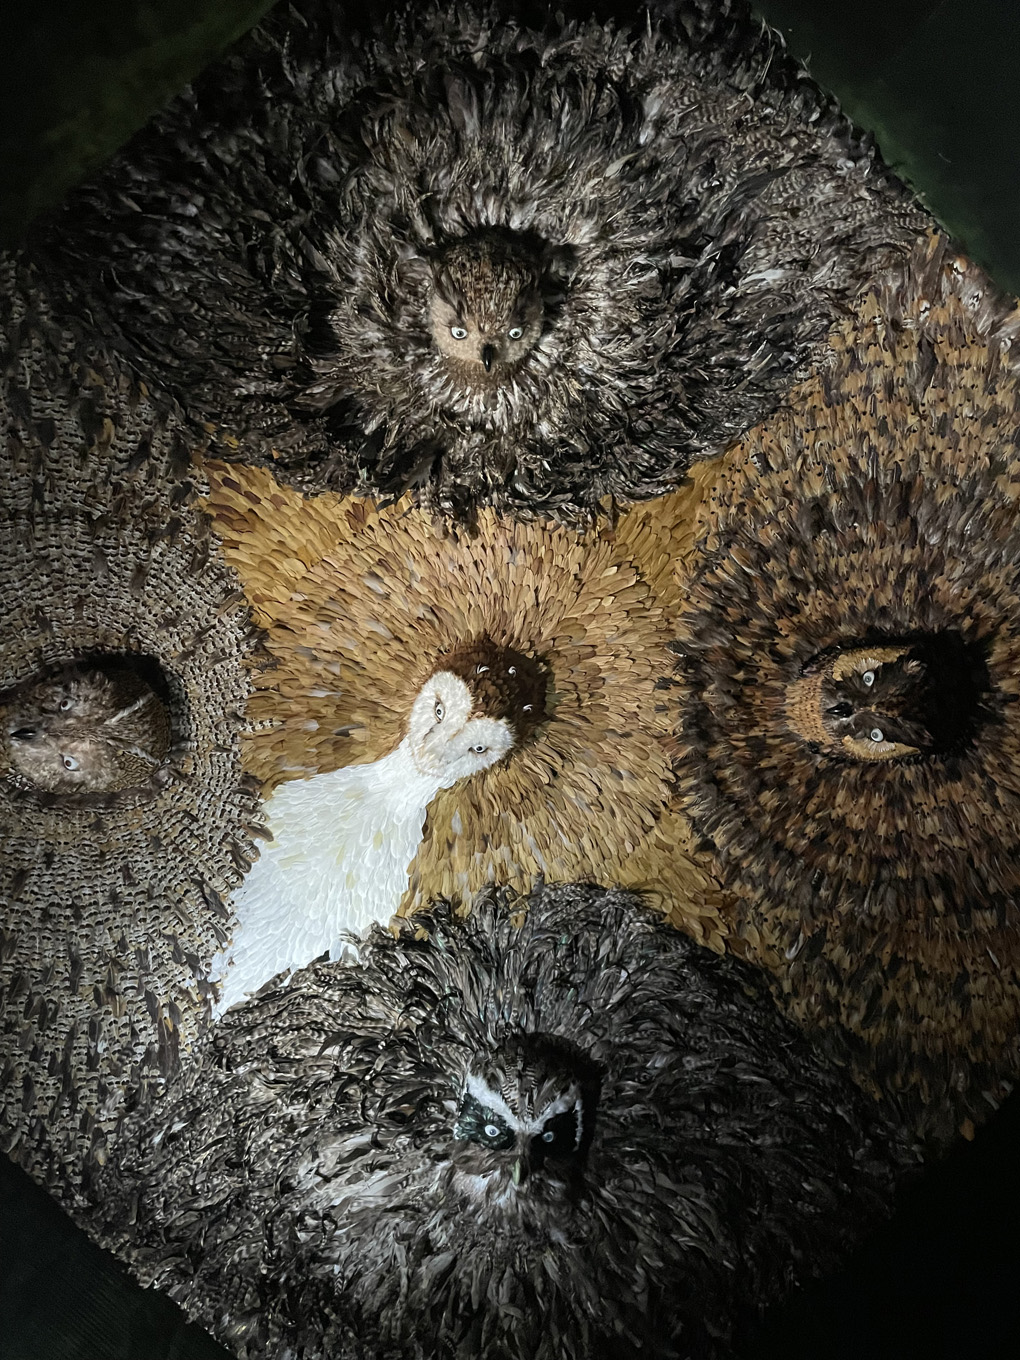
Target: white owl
{"points": [[342, 842]]}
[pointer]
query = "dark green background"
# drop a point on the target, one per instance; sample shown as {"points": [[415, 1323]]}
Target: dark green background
{"points": [[937, 83]]}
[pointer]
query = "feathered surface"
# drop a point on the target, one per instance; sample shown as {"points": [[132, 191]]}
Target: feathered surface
{"points": [[342, 842], [525, 267], [580, 1135], [362, 604], [846, 689], [123, 650]]}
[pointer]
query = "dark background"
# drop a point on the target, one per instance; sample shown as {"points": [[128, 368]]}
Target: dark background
{"points": [[936, 81]]}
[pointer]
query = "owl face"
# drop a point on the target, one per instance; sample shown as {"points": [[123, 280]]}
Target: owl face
{"points": [[447, 743], [86, 730], [530, 1111], [486, 310]]}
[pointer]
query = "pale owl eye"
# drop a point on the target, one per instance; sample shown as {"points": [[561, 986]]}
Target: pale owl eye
{"points": [[479, 750], [64, 705], [440, 712], [548, 1136], [877, 734], [869, 678], [69, 762], [458, 332], [515, 332], [491, 1131]]}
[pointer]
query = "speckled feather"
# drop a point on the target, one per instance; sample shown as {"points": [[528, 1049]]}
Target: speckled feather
{"points": [[113, 898], [698, 213], [302, 1191], [874, 517]]}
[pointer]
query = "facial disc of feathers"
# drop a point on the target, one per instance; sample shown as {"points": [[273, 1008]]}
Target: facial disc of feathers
{"points": [[123, 818], [361, 605], [847, 682], [525, 268], [581, 1135]]}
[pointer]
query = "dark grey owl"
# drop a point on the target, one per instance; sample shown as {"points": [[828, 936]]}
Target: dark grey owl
{"points": [[94, 728], [574, 1136], [528, 266]]}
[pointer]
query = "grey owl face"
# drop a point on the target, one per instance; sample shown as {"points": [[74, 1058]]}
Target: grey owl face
{"points": [[85, 729], [528, 1112], [486, 311]]}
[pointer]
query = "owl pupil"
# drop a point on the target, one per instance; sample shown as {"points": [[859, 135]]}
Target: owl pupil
{"points": [[479, 749], [548, 1136], [70, 763], [491, 1131], [458, 332], [440, 711], [64, 705], [869, 678], [877, 734]]}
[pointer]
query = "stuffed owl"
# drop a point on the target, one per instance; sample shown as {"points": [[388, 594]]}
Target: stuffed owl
{"points": [[532, 267], [555, 1129]]}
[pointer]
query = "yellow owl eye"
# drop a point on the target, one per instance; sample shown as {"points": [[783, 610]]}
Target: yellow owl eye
{"points": [[515, 332], [458, 332]]}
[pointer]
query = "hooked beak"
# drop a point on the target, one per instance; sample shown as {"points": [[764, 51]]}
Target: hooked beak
{"points": [[487, 355], [521, 1170]]}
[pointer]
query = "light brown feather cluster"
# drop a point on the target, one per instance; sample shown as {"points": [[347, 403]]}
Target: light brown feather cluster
{"points": [[361, 604]]}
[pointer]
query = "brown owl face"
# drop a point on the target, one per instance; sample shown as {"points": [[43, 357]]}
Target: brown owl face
{"points": [[888, 702], [96, 728], [486, 312]]}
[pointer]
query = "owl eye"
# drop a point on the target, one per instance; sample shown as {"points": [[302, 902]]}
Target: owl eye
{"points": [[440, 712], [480, 749], [877, 734], [492, 1131], [869, 678], [64, 705], [515, 332], [458, 332], [69, 762], [548, 1136]]}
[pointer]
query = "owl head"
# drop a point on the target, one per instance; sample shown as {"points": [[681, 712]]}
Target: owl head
{"points": [[481, 701], [527, 1110], [90, 728], [887, 702], [486, 309]]}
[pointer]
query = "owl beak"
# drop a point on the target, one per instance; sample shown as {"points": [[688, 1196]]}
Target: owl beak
{"points": [[487, 356], [23, 734], [521, 1171]]}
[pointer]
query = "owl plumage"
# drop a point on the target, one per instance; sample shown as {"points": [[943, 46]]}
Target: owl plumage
{"points": [[87, 729], [533, 267], [845, 691], [123, 650], [571, 1135]]}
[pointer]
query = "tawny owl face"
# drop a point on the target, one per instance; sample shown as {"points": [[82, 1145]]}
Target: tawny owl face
{"points": [[447, 739], [528, 1112], [486, 311], [86, 730]]}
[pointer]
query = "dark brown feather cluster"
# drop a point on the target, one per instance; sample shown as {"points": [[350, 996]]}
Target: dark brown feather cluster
{"points": [[580, 1136], [123, 816], [848, 675], [526, 267]]}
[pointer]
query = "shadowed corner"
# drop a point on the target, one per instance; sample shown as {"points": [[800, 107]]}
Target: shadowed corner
{"points": [[79, 79], [61, 1296], [934, 81]]}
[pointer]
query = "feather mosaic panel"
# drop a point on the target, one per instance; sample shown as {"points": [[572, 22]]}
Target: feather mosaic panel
{"points": [[380, 513]]}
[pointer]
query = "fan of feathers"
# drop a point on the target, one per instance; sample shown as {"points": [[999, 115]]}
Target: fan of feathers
{"points": [[491, 263], [348, 416]]}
